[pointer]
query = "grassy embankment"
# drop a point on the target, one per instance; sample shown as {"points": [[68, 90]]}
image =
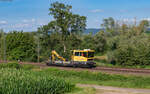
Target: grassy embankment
{"points": [[86, 77]]}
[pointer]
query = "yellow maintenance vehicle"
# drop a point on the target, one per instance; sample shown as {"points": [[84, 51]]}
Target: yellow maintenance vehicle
{"points": [[79, 58]]}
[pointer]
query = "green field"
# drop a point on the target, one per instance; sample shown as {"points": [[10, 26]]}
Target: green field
{"points": [[22, 79], [86, 77], [18, 79]]}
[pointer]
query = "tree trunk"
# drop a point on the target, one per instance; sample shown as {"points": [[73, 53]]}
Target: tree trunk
{"points": [[64, 47]]}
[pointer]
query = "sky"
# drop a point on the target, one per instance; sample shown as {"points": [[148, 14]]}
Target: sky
{"points": [[28, 15]]}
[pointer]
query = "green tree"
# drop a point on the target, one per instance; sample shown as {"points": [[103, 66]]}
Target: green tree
{"points": [[100, 42], [21, 46], [109, 24], [143, 26], [65, 21], [3, 45], [88, 41]]}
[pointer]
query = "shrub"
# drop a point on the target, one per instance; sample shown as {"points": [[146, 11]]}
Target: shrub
{"points": [[10, 65], [132, 52], [15, 81]]}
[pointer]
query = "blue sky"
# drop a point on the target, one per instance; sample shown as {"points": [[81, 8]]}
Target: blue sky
{"points": [[27, 15]]}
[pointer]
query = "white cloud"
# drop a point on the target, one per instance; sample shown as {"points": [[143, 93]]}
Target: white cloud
{"points": [[27, 25], [96, 11], [148, 19], [3, 22], [23, 24], [20, 25], [28, 20]]}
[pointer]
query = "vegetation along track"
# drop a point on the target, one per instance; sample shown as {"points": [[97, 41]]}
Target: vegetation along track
{"points": [[99, 69]]}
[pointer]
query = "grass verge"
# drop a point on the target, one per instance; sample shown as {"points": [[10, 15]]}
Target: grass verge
{"points": [[86, 77], [85, 90], [17, 66]]}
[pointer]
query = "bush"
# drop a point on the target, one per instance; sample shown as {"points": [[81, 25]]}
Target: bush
{"points": [[10, 65], [16, 65], [21, 46], [131, 52], [14, 81]]}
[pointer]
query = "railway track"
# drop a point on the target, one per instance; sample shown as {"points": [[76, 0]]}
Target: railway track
{"points": [[104, 69], [131, 70]]}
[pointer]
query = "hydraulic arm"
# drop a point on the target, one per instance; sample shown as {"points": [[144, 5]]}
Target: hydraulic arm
{"points": [[54, 53]]}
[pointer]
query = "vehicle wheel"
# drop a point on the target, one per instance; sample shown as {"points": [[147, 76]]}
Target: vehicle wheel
{"points": [[74, 66], [92, 66], [49, 63]]}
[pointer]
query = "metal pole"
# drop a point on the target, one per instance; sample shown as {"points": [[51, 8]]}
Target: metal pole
{"points": [[38, 50], [4, 47]]}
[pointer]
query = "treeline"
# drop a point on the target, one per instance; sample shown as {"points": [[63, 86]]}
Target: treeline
{"points": [[124, 44], [26, 46]]}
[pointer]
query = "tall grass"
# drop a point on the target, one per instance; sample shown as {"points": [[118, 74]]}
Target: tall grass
{"points": [[17, 66], [14, 81], [11, 65]]}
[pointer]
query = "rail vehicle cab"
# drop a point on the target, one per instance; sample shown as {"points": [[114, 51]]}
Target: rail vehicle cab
{"points": [[82, 55]]}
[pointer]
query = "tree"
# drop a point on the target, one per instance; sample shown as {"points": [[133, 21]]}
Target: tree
{"points": [[88, 41], [3, 45], [100, 42], [143, 26], [37, 37], [124, 28], [21, 46], [109, 24], [1, 32], [65, 22], [132, 52]]}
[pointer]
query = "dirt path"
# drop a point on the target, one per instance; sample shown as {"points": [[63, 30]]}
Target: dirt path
{"points": [[115, 90]]}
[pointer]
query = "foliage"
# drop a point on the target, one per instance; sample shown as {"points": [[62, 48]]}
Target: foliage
{"points": [[100, 43], [16, 65], [10, 65], [109, 24], [28, 82], [20, 46], [132, 52], [65, 22]]}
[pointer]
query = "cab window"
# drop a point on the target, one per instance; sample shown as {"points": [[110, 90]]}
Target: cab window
{"points": [[90, 54], [84, 54], [77, 53]]}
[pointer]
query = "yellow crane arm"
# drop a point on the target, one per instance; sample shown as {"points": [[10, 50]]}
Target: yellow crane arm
{"points": [[54, 53]]}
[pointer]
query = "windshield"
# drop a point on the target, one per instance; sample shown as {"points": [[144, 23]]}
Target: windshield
{"points": [[90, 54], [85, 54]]}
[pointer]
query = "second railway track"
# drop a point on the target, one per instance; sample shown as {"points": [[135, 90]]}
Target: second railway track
{"points": [[133, 70]]}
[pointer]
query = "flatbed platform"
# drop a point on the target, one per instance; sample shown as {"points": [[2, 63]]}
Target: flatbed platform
{"points": [[72, 64]]}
